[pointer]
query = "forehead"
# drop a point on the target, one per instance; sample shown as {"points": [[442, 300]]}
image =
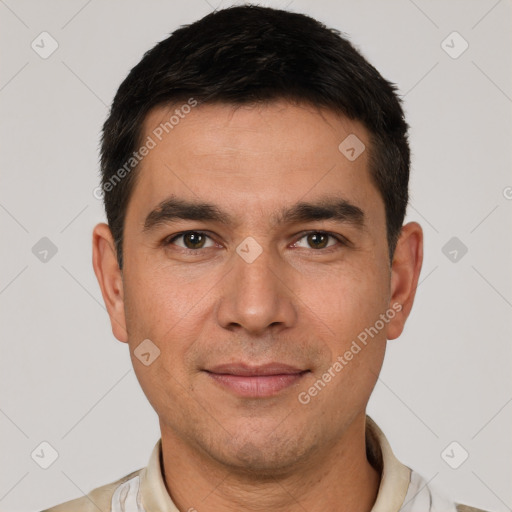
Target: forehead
{"points": [[252, 157]]}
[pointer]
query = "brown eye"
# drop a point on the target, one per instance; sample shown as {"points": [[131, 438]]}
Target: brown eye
{"points": [[192, 240], [319, 240]]}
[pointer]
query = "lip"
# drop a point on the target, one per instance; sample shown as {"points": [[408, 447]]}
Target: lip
{"points": [[256, 381]]}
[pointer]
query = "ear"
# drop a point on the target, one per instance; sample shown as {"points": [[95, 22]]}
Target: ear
{"points": [[108, 273], [405, 272]]}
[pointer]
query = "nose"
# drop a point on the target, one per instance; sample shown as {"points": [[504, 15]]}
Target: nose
{"points": [[257, 295]]}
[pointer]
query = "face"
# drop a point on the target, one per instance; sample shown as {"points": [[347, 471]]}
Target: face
{"points": [[254, 295]]}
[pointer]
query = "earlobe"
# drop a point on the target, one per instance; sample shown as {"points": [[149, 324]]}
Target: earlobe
{"points": [[106, 268], [405, 272]]}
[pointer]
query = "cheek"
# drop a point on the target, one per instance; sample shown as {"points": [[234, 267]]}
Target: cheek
{"points": [[357, 340], [170, 311], [158, 310], [157, 300], [349, 300]]}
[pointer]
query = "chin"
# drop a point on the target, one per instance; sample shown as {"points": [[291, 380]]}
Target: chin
{"points": [[264, 456]]}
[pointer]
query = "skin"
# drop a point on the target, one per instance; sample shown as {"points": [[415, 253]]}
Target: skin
{"points": [[299, 303]]}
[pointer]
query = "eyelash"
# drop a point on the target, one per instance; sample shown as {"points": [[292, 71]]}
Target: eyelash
{"points": [[342, 240]]}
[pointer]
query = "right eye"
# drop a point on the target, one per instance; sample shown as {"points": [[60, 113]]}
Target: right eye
{"points": [[191, 240]]}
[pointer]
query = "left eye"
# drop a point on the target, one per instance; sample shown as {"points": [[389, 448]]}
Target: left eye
{"points": [[319, 239]]}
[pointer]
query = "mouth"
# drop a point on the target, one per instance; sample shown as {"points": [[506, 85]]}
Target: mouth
{"points": [[256, 381]]}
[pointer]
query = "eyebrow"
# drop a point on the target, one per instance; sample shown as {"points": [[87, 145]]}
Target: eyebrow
{"points": [[325, 208]]}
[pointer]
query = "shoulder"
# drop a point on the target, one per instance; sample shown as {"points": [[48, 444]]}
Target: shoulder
{"points": [[467, 508], [99, 499]]}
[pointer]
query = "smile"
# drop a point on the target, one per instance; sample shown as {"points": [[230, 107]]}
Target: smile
{"points": [[256, 381]]}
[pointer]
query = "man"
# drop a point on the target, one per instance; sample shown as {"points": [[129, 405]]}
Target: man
{"points": [[255, 178]]}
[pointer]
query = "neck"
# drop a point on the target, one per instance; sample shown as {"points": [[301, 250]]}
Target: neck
{"points": [[340, 479]]}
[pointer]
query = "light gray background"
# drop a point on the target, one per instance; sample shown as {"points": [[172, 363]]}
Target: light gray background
{"points": [[67, 381]]}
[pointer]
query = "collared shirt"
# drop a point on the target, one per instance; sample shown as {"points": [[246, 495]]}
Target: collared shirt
{"points": [[401, 489]]}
